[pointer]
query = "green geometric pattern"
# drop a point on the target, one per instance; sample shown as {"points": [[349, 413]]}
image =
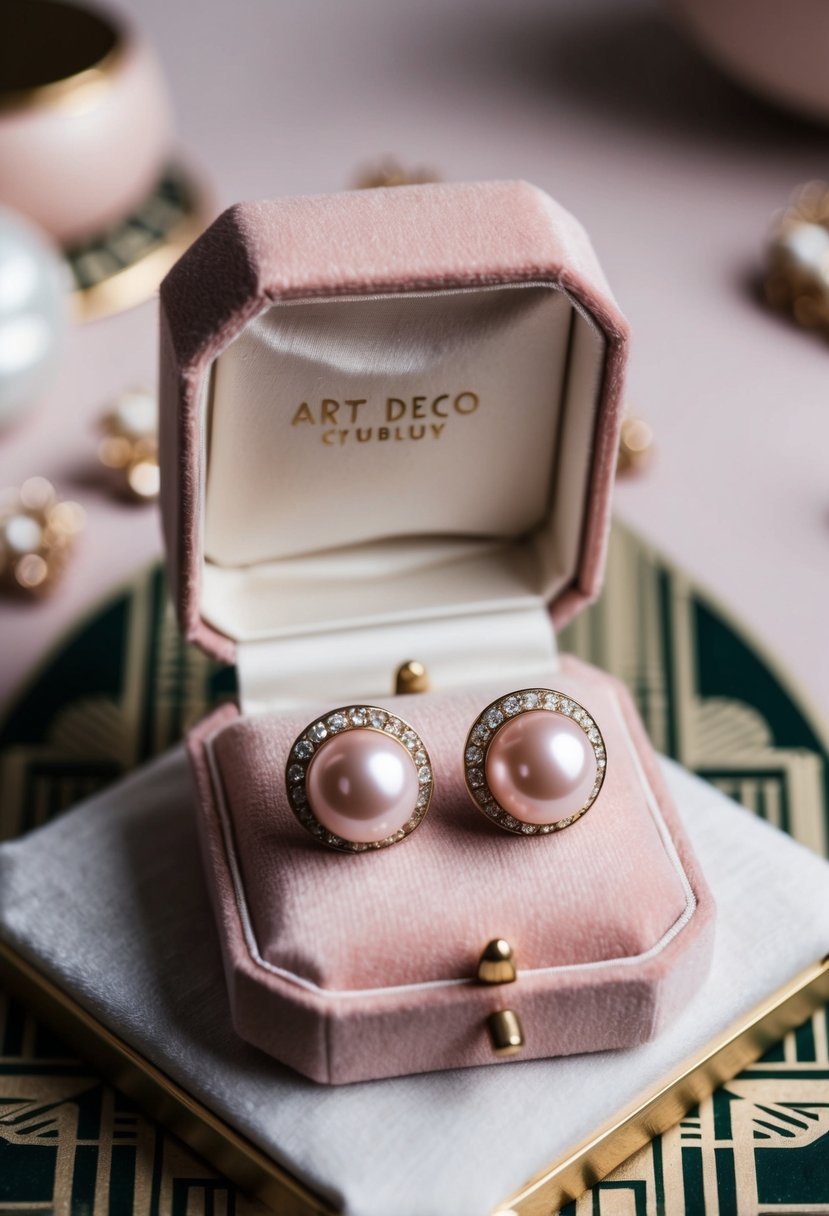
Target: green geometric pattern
{"points": [[123, 687]]}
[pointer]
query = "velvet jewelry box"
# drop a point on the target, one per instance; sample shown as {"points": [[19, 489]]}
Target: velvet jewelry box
{"points": [[389, 427]]}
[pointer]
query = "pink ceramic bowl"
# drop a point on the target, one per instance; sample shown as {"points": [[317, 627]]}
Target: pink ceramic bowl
{"points": [[84, 117], [776, 47]]}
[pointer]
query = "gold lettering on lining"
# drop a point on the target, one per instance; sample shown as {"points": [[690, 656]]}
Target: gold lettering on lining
{"points": [[474, 398], [303, 414], [331, 414], [354, 404]]}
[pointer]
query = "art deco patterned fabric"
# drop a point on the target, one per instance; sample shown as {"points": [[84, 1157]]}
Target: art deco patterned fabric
{"points": [[759, 1144]]}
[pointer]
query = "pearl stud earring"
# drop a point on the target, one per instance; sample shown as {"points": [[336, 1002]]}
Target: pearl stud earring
{"points": [[534, 761], [359, 778]]}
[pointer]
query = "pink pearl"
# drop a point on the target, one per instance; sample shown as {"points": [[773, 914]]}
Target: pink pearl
{"points": [[540, 767], [362, 785]]}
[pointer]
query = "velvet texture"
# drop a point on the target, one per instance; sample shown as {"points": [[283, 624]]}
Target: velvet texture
{"points": [[416, 238], [108, 902], [356, 967]]}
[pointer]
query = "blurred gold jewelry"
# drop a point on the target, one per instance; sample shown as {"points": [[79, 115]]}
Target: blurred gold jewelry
{"points": [[635, 446], [389, 172], [130, 444], [37, 535], [797, 263]]}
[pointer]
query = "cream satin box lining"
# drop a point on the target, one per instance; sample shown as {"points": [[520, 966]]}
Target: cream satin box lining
{"points": [[103, 904], [476, 578], [649, 799]]}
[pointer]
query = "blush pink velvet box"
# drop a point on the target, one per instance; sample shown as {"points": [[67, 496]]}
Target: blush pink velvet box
{"points": [[389, 428]]}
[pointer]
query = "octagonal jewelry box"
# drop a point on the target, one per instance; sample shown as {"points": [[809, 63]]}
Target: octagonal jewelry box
{"points": [[389, 421]]}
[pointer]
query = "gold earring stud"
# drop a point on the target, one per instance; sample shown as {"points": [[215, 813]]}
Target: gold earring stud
{"points": [[359, 778], [534, 761]]}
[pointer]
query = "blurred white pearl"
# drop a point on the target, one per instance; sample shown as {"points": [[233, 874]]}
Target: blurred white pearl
{"points": [[136, 414], [808, 245], [22, 534], [33, 306]]}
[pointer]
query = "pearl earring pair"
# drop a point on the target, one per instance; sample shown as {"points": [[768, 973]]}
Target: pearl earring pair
{"points": [[360, 778]]}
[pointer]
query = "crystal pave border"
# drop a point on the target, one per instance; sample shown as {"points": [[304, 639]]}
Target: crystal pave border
{"points": [[486, 727], [338, 721]]}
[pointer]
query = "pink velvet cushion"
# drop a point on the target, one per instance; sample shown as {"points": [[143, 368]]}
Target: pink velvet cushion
{"points": [[353, 967], [610, 887]]}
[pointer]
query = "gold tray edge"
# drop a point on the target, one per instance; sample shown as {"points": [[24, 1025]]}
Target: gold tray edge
{"points": [[232, 1154], [223, 1148], [654, 1112]]}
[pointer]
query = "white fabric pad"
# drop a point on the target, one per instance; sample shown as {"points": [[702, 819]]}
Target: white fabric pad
{"points": [[109, 902]]}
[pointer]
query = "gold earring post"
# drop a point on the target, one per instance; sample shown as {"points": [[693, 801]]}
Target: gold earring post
{"points": [[411, 677]]}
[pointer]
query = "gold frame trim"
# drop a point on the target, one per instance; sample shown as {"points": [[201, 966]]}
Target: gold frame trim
{"points": [[653, 1113], [564, 1180], [218, 1144]]}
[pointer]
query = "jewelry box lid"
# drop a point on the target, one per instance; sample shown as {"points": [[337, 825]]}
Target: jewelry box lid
{"points": [[387, 413]]}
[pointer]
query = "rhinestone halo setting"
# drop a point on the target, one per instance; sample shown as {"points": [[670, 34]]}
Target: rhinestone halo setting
{"points": [[338, 721], [483, 732]]}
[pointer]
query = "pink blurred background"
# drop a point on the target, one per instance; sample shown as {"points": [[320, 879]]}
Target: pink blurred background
{"points": [[675, 172]]}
